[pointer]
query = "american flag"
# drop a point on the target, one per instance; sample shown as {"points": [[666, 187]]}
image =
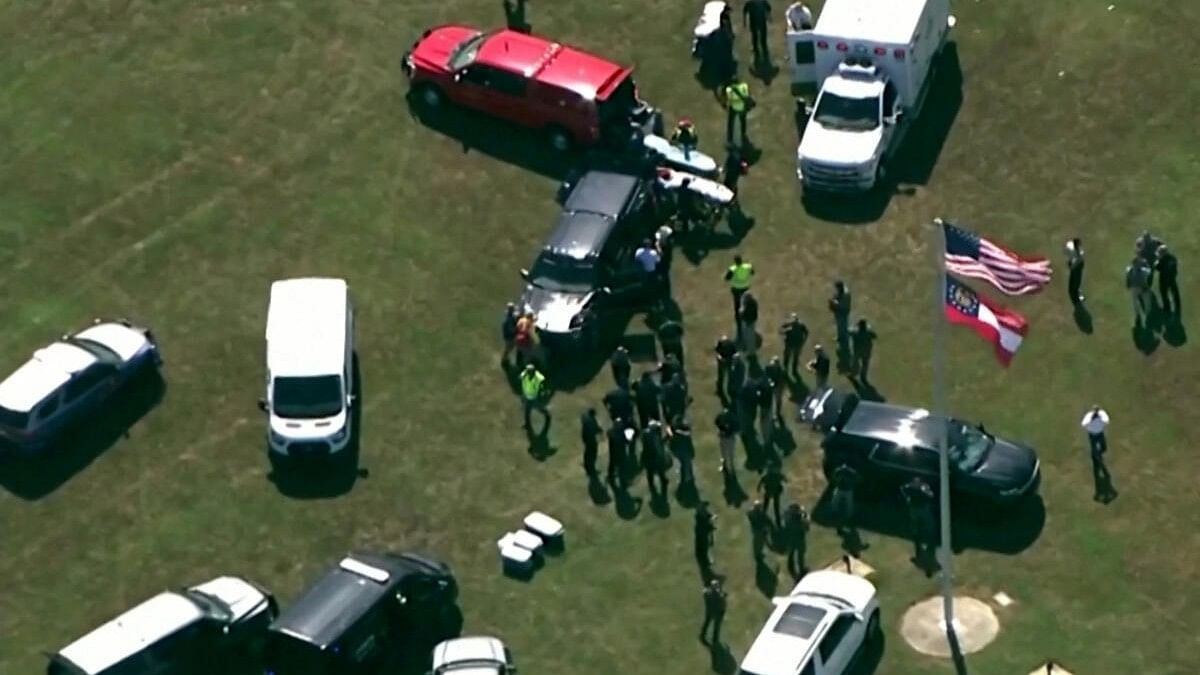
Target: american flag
{"points": [[971, 255]]}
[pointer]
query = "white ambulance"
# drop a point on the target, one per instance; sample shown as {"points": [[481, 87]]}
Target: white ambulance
{"points": [[873, 62]]}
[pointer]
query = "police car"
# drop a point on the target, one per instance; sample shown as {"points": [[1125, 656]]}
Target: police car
{"points": [[66, 381]]}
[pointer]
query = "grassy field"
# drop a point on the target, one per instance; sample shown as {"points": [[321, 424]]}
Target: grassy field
{"points": [[167, 160]]}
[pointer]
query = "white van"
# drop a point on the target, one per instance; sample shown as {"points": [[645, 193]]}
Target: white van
{"points": [[310, 368]]}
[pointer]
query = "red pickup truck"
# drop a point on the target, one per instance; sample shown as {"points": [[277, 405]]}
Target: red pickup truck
{"points": [[575, 98]]}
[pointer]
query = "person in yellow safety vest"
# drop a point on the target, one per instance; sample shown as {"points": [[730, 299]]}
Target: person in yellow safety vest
{"points": [[737, 102], [533, 396], [685, 137], [739, 275]]}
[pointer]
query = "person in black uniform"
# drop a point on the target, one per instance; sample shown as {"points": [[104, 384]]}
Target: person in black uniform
{"points": [[737, 376], [747, 404], [617, 451], [670, 336], [766, 412], [771, 487], [675, 398], [619, 405], [646, 392], [1167, 267], [703, 534], [619, 362], [757, 14], [726, 351], [715, 600], [669, 368], [508, 331], [795, 536], [760, 528], [679, 439], [795, 334], [839, 307], [918, 497], [654, 459], [862, 339], [776, 376], [819, 366], [590, 431], [845, 478], [1075, 264]]}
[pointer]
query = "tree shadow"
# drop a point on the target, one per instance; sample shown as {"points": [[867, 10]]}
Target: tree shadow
{"points": [[500, 140], [34, 476], [1083, 319], [327, 477], [1174, 333], [976, 525]]}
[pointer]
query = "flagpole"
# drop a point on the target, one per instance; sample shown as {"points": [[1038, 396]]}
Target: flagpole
{"points": [[939, 413]]}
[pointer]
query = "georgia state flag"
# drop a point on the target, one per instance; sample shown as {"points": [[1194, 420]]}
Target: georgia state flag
{"points": [[1002, 327]]}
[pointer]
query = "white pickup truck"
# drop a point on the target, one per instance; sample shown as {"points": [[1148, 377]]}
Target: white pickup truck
{"points": [[873, 62]]}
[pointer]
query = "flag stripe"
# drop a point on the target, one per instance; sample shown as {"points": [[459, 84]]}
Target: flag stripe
{"points": [[976, 257]]}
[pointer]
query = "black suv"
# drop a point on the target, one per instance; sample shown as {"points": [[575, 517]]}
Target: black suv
{"points": [[369, 609], [890, 445], [586, 266]]}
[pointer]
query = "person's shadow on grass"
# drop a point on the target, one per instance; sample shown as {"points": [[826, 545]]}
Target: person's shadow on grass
{"points": [[660, 503], [1145, 339], [766, 578], [721, 659], [734, 495], [1083, 319], [1174, 333], [597, 492], [628, 506]]}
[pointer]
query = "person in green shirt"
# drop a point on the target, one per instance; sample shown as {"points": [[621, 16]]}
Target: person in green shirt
{"points": [[737, 104], [533, 396]]}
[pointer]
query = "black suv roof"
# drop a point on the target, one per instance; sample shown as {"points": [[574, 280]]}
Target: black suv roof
{"points": [[579, 235], [332, 604], [871, 419], [602, 192]]}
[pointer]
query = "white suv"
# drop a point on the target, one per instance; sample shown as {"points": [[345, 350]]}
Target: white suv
{"points": [[821, 628], [67, 380], [473, 656], [310, 368], [175, 631]]}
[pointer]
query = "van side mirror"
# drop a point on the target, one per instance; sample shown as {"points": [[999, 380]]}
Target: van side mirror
{"points": [[262, 404], [351, 399], [525, 274]]}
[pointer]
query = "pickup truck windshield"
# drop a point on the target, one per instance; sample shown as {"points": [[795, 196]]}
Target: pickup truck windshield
{"points": [[307, 397], [561, 274], [850, 114]]}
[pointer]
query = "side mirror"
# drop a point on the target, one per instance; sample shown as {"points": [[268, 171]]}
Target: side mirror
{"points": [[859, 617], [458, 76], [351, 400], [607, 290], [262, 404], [525, 274]]}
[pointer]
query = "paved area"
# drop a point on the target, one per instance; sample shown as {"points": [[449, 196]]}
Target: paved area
{"points": [[975, 625]]}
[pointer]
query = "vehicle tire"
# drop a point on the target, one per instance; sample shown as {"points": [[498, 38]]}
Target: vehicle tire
{"points": [[559, 139], [429, 96]]}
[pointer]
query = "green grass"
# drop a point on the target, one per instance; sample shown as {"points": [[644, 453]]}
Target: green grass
{"points": [[167, 160]]}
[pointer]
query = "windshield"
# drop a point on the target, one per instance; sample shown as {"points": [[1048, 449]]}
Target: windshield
{"points": [[969, 446], [307, 397], [562, 274], [102, 352], [290, 656], [464, 54], [854, 114], [212, 606]]}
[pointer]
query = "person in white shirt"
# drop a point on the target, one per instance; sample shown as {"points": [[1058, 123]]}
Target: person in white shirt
{"points": [[1095, 422], [799, 17]]}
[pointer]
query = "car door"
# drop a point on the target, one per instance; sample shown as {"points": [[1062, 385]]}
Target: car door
{"points": [[88, 388], [839, 645], [497, 92], [46, 419], [895, 465]]}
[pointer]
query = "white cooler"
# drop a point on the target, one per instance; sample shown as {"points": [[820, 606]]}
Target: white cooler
{"points": [[546, 528]]}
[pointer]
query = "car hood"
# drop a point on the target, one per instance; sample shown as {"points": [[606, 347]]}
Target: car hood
{"points": [[1008, 465], [855, 590], [126, 341], [243, 597], [434, 48], [306, 429], [827, 145], [553, 310]]}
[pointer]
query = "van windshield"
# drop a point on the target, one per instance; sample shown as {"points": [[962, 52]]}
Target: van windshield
{"points": [[563, 274], [307, 397], [850, 114], [286, 655]]}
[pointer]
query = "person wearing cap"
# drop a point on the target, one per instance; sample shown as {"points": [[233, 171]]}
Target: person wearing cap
{"points": [[771, 488], [685, 137], [795, 334], [1167, 267], [619, 404], [703, 529], [675, 397], [819, 366], [687, 207], [670, 336], [654, 459], [508, 331], [795, 537], [757, 14], [646, 393], [799, 17], [1075, 265], [533, 396]]}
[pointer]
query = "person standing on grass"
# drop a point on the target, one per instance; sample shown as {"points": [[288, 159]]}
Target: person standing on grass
{"points": [[776, 376], [654, 458], [862, 339], [771, 488], [737, 376], [1138, 279], [1095, 423], [508, 331], [747, 404], [747, 323], [760, 528], [1075, 264], [679, 438], [619, 362], [526, 339], [795, 536], [619, 405], [738, 103], [590, 431], [845, 479], [727, 433], [766, 411], [675, 398], [715, 601], [703, 532], [669, 368], [618, 450], [726, 352], [795, 334], [646, 392], [819, 366], [1167, 267], [918, 497], [839, 306], [533, 396], [670, 336], [739, 275], [757, 14]]}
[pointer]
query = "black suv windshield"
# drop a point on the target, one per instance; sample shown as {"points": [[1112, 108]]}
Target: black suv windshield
{"points": [[851, 114], [286, 655], [969, 446], [562, 274], [307, 397]]}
